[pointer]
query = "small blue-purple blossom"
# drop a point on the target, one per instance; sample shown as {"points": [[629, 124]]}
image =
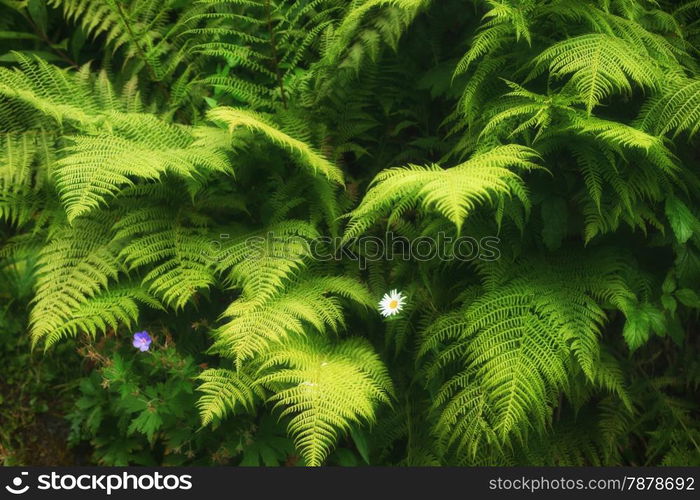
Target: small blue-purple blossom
{"points": [[142, 341]]}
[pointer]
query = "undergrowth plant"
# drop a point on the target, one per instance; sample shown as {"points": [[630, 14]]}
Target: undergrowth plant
{"points": [[178, 167]]}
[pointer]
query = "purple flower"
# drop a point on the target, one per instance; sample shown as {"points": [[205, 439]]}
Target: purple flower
{"points": [[142, 341]]}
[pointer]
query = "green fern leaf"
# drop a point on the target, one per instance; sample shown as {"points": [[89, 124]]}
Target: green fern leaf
{"points": [[326, 390], [224, 391], [599, 65], [304, 154], [455, 192]]}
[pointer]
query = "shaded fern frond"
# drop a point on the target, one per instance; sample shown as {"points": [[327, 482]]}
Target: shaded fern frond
{"points": [[141, 30], [515, 344], [353, 40], [64, 96], [103, 17], [305, 155], [25, 162], [676, 109]]}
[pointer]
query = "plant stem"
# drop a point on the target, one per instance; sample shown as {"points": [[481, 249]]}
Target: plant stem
{"points": [[44, 37], [275, 60], [142, 54]]}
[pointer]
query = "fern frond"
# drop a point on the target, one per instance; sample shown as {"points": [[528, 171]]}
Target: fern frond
{"points": [[224, 391], [262, 262], [75, 267], [400, 13], [57, 93], [305, 155], [489, 39], [622, 136], [520, 110], [256, 325], [514, 344], [140, 28], [326, 389], [25, 161], [472, 97], [676, 109], [179, 251], [599, 65], [455, 192], [110, 309], [96, 167]]}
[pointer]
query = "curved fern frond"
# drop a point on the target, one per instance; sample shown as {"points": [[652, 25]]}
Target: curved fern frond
{"points": [[599, 65], [224, 391], [515, 344], [73, 270], [110, 309], [676, 109], [455, 192], [141, 30], [104, 17], [96, 167], [59, 94], [262, 262], [255, 326], [25, 160], [326, 389], [621, 136], [501, 24], [305, 155], [350, 42], [520, 110], [178, 249]]}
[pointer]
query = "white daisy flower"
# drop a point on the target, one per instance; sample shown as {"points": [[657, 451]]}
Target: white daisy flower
{"points": [[391, 303]]}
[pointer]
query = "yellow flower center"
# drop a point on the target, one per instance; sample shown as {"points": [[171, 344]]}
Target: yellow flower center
{"points": [[393, 304]]}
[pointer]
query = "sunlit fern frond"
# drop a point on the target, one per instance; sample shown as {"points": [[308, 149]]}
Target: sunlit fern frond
{"points": [[260, 263], [623, 137], [173, 245], [61, 95], [326, 389], [73, 293], [653, 31], [599, 65], [96, 167], [253, 325], [454, 192], [104, 17], [96, 314], [224, 391]]}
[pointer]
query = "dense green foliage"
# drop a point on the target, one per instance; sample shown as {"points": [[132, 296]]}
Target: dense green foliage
{"points": [[145, 144]]}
